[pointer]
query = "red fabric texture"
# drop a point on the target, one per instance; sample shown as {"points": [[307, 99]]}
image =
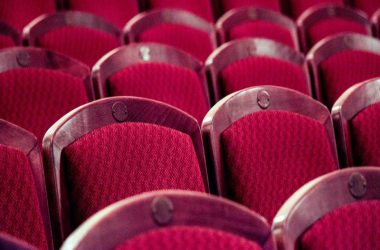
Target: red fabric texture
{"points": [[344, 69], [332, 26], [368, 6], [260, 70], [202, 8], [6, 42], [84, 44], [191, 40], [19, 205], [268, 155], [35, 98], [262, 29], [122, 160], [19, 13], [188, 237], [177, 86], [119, 12], [365, 136], [299, 6], [353, 226], [268, 4]]}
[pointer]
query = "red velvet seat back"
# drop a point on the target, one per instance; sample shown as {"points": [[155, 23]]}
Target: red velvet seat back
{"points": [[175, 85], [269, 4], [191, 40], [202, 8], [81, 43], [345, 68], [270, 154], [188, 237], [6, 41], [353, 226], [365, 136], [19, 205], [122, 160], [368, 6], [262, 29], [19, 13], [260, 70], [117, 12], [333, 26], [35, 98], [297, 7]]}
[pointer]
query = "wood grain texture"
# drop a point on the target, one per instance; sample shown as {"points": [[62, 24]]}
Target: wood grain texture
{"points": [[133, 216], [20, 139], [242, 103], [235, 17], [332, 45], [98, 114], [351, 102], [316, 198]]}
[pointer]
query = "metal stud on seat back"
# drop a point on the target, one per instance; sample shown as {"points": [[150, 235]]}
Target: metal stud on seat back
{"points": [[144, 53], [23, 58], [119, 111], [162, 210], [263, 99], [357, 185]]}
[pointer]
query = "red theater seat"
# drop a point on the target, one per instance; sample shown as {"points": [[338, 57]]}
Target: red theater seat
{"points": [[337, 211], [118, 12], [177, 28], [80, 35], [267, 4], [254, 61], [258, 23], [368, 6], [9, 37], [157, 72], [38, 86], [342, 61], [173, 220], [264, 143], [295, 8], [24, 209], [356, 117], [201, 8], [118, 147], [19, 13], [12, 243], [320, 22]]}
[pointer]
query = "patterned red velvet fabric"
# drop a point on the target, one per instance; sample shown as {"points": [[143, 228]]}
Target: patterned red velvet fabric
{"points": [[365, 136], [368, 6], [186, 237], [19, 13], [116, 11], [262, 29], [343, 69], [84, 44], [121, 160], [202, 8], [332, 26], [35, 98], [268, 4], [260, 70], [353, 226], [19, 205], [193, 41], [299, 6], [177, 86], [270, 154]]}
